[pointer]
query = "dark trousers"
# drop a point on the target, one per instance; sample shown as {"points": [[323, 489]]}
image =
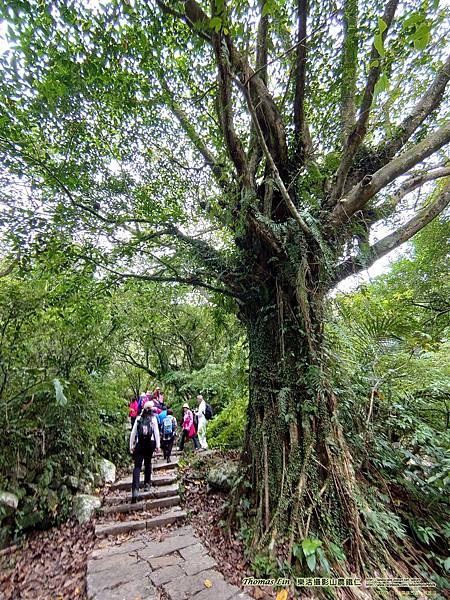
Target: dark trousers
{"points": [[167, 447], [184, 435], [142, 456]]}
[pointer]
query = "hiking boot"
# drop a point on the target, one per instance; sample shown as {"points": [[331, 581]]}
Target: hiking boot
{"points": [[168, 459], [134, 496], [147, 487]]}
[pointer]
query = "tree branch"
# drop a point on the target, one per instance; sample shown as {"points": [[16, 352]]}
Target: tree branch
{"points": [[276, 175], [226, 116], [254, 151], [192, 134], [363, 261], [261, 43], [127, 358], [7, 270], [426, 105], [357, 134], [349, 68], [194, 17], [268, 114], [204, 251], [302, 136], [372, 184], [193, 279], [388, 207]]}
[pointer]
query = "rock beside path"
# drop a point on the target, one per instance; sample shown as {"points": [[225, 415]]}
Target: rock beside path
{"points": [[84, 506], [8, 501], [107, 470], [222, 476]]}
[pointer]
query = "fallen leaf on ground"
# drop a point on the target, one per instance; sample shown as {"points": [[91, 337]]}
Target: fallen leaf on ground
{"points": [[207, 583], [282, 595], [258, 593]]}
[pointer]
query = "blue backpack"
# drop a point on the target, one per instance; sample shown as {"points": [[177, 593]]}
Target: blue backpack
{"points": [[168, 426]]}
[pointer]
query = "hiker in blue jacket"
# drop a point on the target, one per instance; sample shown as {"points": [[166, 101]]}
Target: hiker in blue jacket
{"points": [[168, 433]]}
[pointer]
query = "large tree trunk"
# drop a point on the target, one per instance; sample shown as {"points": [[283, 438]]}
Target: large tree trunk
{"points": [[299, 466]]}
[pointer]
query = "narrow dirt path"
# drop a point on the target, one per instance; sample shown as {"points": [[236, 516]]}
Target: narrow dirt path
{"points": [[130, 564]]}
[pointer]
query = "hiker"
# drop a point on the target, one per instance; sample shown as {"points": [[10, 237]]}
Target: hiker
{"points": [[144, 440], [142, 400], [133, 411], [201, 429], [158, 397], [188, 428], [162, 415], [168, 433]]}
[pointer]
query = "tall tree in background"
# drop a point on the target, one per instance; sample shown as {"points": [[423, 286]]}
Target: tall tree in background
{"points": [[248, 148]]}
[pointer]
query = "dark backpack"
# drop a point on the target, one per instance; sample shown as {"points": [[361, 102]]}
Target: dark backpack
{"points": [[168, 427], [145, 431], [208, 412]]}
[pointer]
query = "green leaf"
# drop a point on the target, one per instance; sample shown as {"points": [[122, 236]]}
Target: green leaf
{"points": [[267, 8], [447, 564], [310, 546], [382, 26], [413, 20], [421, 43], [378, 43], [216, 24], [323, 560], [311, 562], [336, 551], [59, 394], [382, 84]]}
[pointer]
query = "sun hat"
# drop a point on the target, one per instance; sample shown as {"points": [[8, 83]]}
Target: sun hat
{"points": [[148, 404], [185, 405]]}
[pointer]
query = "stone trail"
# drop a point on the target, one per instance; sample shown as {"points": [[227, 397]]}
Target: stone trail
{"points": [[177, 567]]}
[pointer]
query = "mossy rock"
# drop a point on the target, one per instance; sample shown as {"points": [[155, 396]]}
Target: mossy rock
{"points": [[222, 476]]}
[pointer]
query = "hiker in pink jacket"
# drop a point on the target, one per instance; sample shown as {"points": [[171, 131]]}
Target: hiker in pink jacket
{"points": [[133, 411], [188, 428]]}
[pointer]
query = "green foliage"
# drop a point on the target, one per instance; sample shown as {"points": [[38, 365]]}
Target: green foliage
{"points": [[389, 352], [227, 429], [265, 566], [310, 551], [55, 337]]}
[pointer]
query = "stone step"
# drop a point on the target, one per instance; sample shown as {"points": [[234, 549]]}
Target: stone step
{"points": [[141, 505], [160, 463], [117, 528], [164, 491], [125, 484]]}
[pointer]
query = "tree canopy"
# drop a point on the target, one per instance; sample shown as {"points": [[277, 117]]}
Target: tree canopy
{"points": [[129, 125]]}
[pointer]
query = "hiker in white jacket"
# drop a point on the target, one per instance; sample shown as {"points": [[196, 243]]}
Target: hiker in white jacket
{"points": [[144, 440], [201, 431]]}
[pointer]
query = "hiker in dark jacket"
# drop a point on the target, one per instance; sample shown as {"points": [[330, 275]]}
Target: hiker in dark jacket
{"points": [[144, 440]]}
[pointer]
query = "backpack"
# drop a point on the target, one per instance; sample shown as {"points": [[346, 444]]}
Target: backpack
{"points": [[167, 427], [208, 412], [145, 431]]}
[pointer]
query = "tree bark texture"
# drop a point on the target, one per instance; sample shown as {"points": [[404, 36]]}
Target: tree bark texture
{"points": [[300, 470]]}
